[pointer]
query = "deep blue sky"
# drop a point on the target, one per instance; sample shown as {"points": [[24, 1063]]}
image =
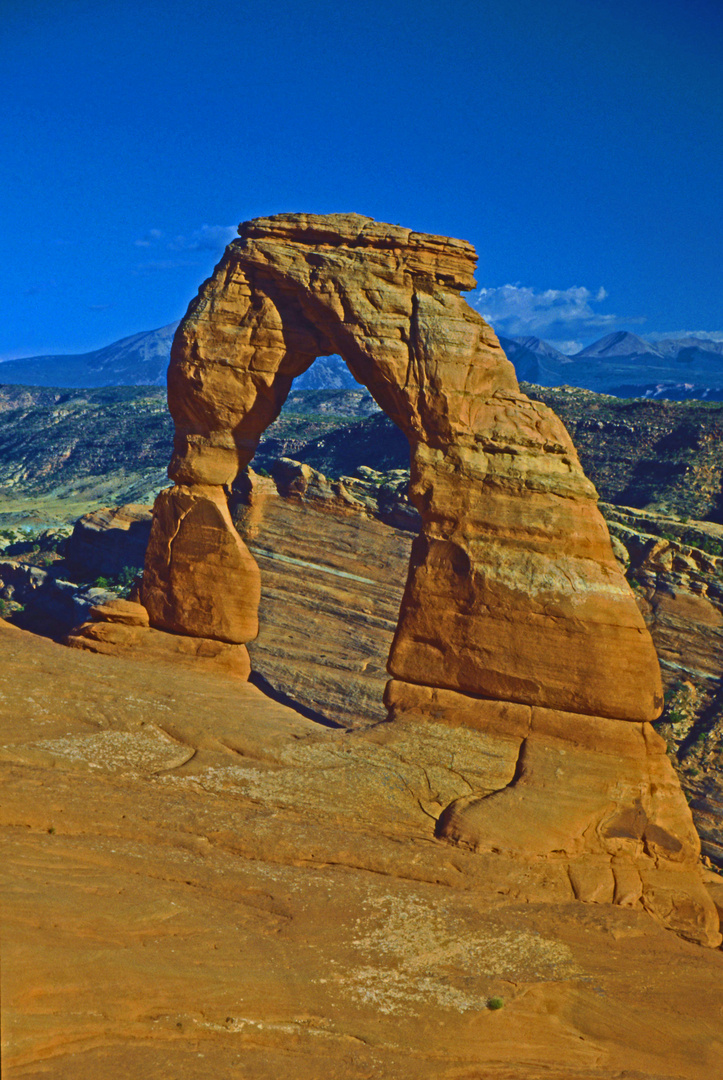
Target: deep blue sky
{"points": [[577, 143]]}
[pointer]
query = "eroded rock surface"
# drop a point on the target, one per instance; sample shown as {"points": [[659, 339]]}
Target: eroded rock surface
{"points": [[106, 541], [121, 628], [513, 592], [198, 882], [200, 578], [513, 554]]}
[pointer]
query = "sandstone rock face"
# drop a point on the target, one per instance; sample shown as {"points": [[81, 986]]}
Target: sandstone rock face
{"points": [[200, 578], [514, 595], [332, 579], [120, 628], [514, 561], [198, 882], [600, 795]]}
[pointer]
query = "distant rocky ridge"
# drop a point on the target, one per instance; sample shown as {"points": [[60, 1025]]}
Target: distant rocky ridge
{"points": [[621, 364], [660, 455], [624, 365], [138, 360]]}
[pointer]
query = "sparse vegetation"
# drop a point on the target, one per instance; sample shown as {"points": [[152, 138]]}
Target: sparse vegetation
{"points": [[120, 583], [9, 607]]}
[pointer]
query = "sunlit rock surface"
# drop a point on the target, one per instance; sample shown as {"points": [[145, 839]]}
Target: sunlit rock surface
{"points": [[197, 881], [513, 559], [513, 591]]}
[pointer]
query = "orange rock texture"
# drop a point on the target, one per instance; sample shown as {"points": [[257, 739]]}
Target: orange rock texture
{"points": [[199, 883], [513, 594], [513, 590]]}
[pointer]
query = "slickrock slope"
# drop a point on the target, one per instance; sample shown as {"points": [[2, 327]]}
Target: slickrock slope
{"points": [[332, 584], [198, 882], [516, 620], [332, 581], [677, 573]]}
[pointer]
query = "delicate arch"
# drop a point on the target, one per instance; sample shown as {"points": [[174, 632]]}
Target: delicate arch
{"points": [[513, 590], [516, 619]]}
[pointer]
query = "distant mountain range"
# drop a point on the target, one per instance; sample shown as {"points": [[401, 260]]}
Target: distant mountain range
{"points": [[138, 360], [625, 365], [142, 360], [621, 364]]}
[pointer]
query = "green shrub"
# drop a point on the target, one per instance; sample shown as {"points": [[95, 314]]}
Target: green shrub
{"points": [[10, 607], [120, 583], [495, 1003], [711, 547]]}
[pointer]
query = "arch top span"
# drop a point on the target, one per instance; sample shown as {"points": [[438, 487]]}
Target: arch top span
{"points": [[294, 287], [513, 591]]}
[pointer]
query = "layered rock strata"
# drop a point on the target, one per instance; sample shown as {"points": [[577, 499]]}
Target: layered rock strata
{"points": [[198, 882], [513, 594], [121, 628], [107, 541]]}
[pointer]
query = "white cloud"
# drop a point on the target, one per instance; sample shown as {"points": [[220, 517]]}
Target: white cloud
{"points": [[707, 335], [164, 264], [213, 238], [569, 346], [517, 310], [151, 237], [172, 254], [207, 238]]}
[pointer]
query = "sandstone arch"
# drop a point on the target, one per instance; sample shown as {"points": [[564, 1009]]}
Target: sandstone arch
{"points": [[514, 592], [516, 618]]}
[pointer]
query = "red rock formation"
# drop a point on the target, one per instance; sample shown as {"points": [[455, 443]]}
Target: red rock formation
{"points": [[513, 591], [120, 628], [200, 577]]}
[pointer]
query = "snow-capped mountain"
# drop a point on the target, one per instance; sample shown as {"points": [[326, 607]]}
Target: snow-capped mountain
{"points": [[621, 343], [625, 365], [622, 364]]}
